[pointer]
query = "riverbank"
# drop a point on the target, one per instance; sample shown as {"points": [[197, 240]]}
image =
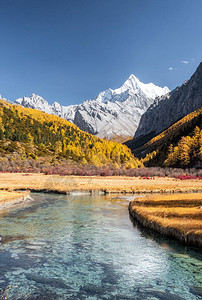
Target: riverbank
{"points": [[173, 215], [177, 216], [10, 198], [111, 184]]}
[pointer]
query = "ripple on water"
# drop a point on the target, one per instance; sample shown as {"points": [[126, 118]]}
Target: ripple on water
{"points": [[86, 247]]}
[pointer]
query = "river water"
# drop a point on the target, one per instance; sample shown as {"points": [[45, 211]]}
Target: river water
{"points": [[86, 247]]}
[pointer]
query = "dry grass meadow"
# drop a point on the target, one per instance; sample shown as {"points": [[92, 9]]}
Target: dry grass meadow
{"points": [[113, 184], [8, 198], [176, 215], [170, 206]]}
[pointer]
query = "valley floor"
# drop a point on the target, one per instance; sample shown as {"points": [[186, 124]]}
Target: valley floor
{"points": [[114, 184], [164, 208]]}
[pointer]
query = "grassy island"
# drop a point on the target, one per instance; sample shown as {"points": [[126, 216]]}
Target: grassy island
{"points": [[178, 216]]}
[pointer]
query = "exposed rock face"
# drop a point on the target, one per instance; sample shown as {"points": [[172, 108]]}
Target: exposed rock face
{"points": [[168, 109], [111, 113], [106, 119]]}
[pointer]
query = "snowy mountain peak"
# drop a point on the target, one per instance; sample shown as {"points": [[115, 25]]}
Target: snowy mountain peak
{"points": [[148, 89], [34, 101], [132, 76], [132, 83], [111, 113], [132, 86]]}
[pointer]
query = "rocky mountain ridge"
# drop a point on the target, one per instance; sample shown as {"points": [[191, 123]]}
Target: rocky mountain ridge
{"points": [[112, 113], [168, 109]]}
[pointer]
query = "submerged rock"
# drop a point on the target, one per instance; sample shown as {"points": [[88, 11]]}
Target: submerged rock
{"points": [[197, 290], [53, 282], [92, 289], [158, 295]]}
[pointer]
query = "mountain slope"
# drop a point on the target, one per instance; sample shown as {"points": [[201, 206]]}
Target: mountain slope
{"points": [[112, 113], [31, 133], [179, 146], [166, 110]]}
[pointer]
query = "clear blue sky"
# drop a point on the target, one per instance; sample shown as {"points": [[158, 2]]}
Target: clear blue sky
{"points": [[70, 50]]}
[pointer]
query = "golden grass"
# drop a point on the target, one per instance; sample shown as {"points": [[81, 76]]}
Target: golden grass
{"points": [[172, 197], [173, 212], [170, 200], [7, 197], [178, 215], [114, 184]]}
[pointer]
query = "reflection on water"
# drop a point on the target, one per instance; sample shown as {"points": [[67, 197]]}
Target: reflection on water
{"points": [[86, 247]]}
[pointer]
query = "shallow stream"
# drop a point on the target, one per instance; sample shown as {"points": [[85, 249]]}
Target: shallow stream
{"points": [[86, 247]]}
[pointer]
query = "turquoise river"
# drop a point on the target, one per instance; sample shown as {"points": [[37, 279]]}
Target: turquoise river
{"points": [[83, 246]]}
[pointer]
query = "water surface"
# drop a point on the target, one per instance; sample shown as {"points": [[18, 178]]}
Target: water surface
{"points": [[86, 247]]}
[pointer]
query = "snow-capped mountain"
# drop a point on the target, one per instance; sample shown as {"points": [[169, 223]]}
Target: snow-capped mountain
{"points": [[37, 102], [112, 113]]}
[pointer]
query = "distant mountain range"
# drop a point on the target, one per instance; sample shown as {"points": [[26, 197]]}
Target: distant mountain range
{"points": [[112, 113], [168, 124]]}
